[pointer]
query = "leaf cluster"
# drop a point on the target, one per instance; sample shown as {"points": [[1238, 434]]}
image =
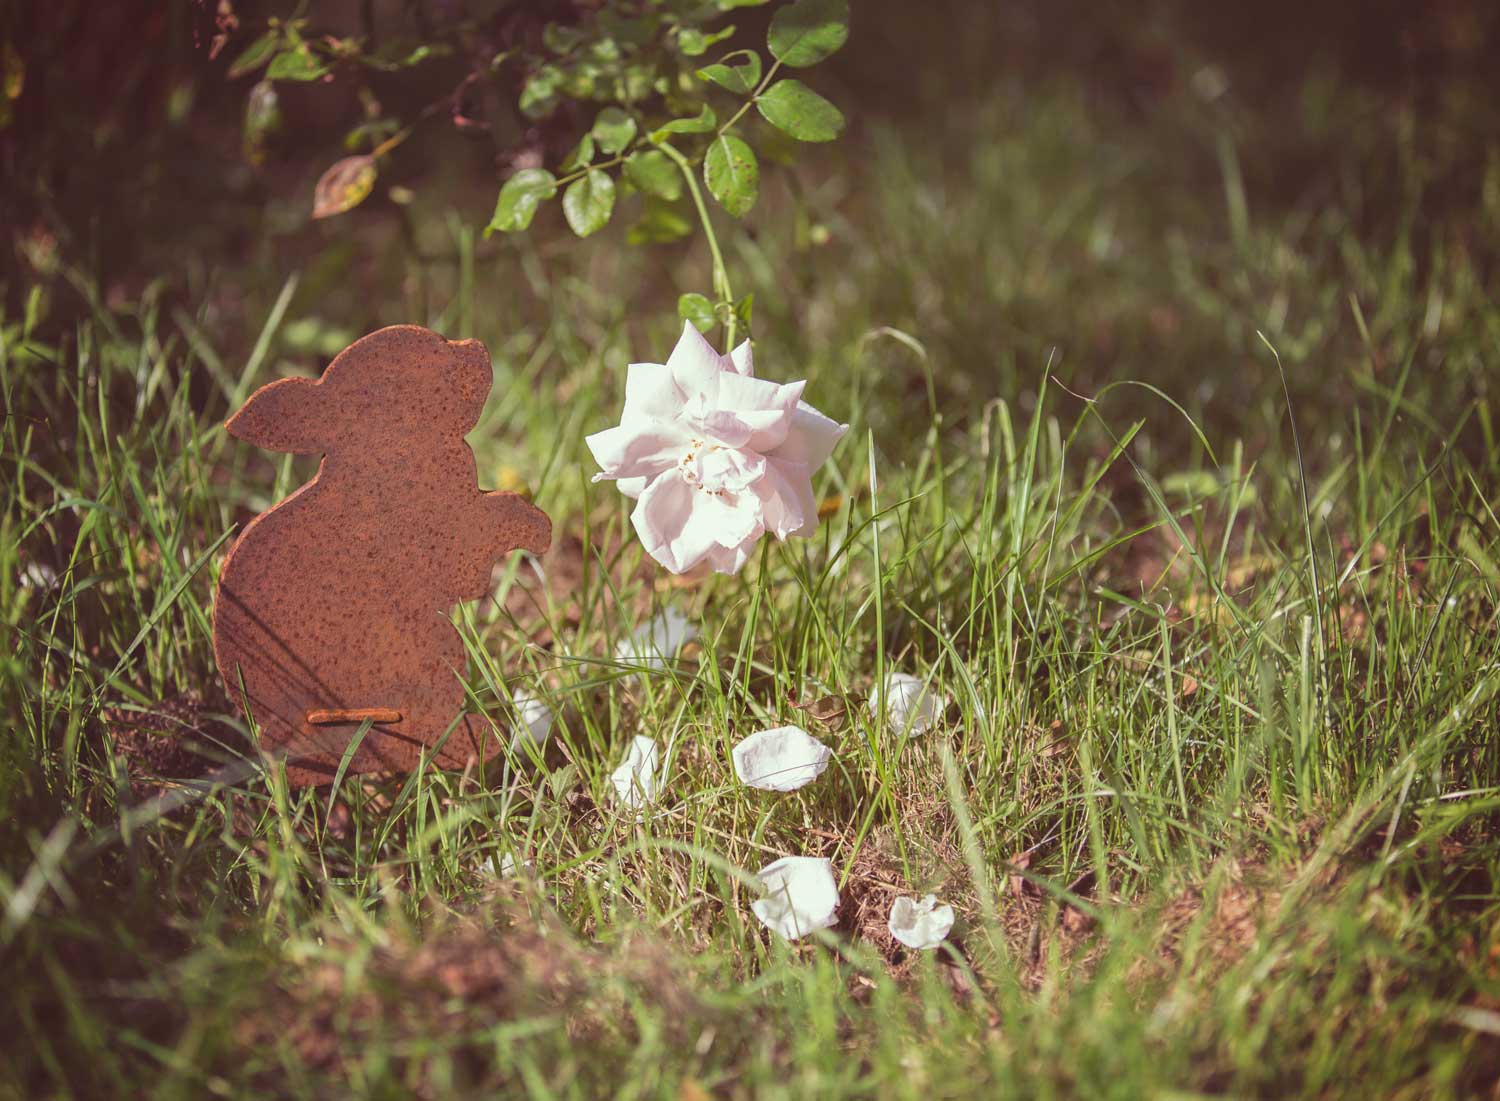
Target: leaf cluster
{"points": [[652, 120]]}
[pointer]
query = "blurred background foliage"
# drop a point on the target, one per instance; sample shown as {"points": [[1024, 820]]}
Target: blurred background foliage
{"points": [[1009, 170]]}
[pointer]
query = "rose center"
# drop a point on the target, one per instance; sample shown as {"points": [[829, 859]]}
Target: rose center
{"points": [[712, 467], [693, 467]]}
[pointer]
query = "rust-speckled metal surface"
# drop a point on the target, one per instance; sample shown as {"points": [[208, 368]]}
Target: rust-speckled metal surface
{"points": [[332, 607]]}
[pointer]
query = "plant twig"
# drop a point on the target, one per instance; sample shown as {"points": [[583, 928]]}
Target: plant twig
{"points": [[721, 273]]}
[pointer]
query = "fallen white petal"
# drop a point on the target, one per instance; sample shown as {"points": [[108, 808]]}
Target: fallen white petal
{"points": [[38, 575], [801, 896], [782, 759], [506, 868], [534, 720], [636, 782], [910, 706], [920, 925], [658, 641]]}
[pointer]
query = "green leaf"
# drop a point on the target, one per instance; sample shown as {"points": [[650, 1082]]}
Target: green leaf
{"points": [[12, 72], [539, 97], [588, 202], [345, 185], [631, 30], [262, 119], [653, 172], [585, 80], [794, 108], [805, 32], [694, 43], [583, 154], [12, 80], [299, 63], [660, 224], [604, 49], [422, 53], [519, 198], [560, 39], [613, 129], [697, 309], [395, 56], [742, 310], [732, 174], [705, 122], [638, 80], [256, 54], [739, 79], [370, 133]]}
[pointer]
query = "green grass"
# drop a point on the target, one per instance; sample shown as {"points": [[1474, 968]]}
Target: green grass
{"points": [[1215, 797]]}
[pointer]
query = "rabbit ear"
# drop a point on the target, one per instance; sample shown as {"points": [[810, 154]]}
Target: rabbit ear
{"points": [[283, 416]]}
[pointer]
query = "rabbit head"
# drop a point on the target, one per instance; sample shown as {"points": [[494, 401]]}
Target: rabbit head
{"points": [[403, 379]]}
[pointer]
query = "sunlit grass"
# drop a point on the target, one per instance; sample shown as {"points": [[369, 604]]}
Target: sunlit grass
{"points": [[1214, 794]]}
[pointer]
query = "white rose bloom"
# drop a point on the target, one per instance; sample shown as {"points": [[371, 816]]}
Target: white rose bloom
{"points": [[714, 457]]}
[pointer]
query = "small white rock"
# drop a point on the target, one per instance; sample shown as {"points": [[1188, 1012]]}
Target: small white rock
{"points": [[636, 781], [801, 896], [658, 642], [910, 706], [920, 925], [784, 758], [533, 720]]}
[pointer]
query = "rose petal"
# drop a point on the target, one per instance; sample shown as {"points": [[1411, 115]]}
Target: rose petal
{"points": [[679, 525], [724, 428], [658, 641], [801, 896], [810, 437], [650, 391], [911, 708], [786, 495], [784, 758], [728, 519], [764, 408], [742, 360], [661, 514], [725, 468], [693, 363], [38, 575], [534, 720], [920, 925], [506, 869], [638, 449], [731, 560], [636, 781]]}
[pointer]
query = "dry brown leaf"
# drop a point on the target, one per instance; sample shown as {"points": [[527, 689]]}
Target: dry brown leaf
{"points": [[345, 185]]}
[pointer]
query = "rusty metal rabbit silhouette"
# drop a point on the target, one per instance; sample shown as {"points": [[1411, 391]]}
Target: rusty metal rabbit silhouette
{"points": [[332, 606]]}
